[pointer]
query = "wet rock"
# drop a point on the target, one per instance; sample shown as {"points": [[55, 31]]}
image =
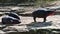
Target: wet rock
{"points": [[40, 24]]}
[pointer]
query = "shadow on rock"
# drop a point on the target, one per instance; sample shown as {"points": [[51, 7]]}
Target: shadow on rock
{"points": [[40, 24]]}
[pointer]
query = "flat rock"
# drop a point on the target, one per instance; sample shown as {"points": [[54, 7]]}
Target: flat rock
{"points": [[2, 26], [11, 32], [16, 28], [2, 32]]}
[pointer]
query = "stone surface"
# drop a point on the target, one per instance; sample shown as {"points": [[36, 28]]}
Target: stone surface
{"points": [[2, 26], [2, 32], [16, 28]]}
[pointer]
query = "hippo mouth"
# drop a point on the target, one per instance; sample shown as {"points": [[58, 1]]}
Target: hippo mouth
{"points": [[51, 14]]}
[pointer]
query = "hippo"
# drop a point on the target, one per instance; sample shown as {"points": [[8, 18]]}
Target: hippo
{"points": [[11, 18], [42, 14]]}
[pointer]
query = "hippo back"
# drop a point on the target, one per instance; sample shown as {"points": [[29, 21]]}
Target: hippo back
{"points": [[42, 13], [39, 13], [12, 14]]}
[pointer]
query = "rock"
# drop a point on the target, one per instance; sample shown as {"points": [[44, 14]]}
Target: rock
{"points": [[16, 28], [40, 24], [2, 32], [11, 32], [2, 26], [9, 29], [56, 32]]}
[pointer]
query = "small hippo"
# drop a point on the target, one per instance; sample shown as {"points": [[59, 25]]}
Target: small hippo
{"points": [[11, 18], [42, 14]]}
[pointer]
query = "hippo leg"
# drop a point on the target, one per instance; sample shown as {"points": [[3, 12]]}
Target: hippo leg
{"points": [[3, 21], [34, 19], [44, 19]]}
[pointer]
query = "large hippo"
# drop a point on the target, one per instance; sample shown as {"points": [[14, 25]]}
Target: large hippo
{"points": [[42, 14]]}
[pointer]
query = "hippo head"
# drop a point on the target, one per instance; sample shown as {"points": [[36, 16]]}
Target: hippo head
{"points": [[50, 13]]}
